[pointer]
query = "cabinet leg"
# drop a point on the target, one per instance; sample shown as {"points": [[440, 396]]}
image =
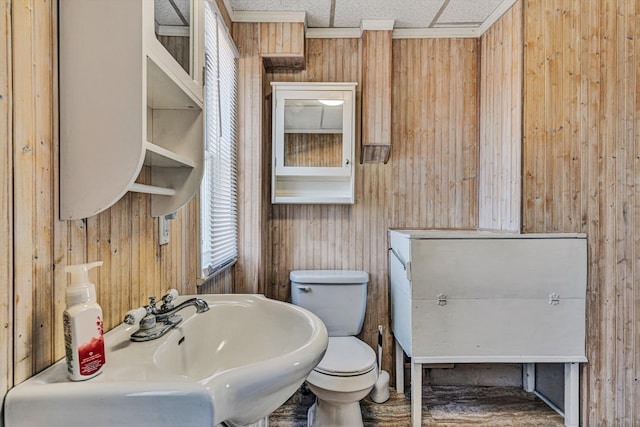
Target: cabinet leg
{"points": [[529, 377], [572, 394], [399, 368], [416, 394]]}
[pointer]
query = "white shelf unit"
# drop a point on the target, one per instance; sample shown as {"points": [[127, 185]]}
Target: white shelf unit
{"points": [[125, 102], [305, 184]]}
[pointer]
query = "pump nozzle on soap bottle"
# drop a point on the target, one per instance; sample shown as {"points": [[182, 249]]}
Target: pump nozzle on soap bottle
{"points": [[83, 325]]}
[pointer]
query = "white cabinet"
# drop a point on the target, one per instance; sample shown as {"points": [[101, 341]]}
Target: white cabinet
{"points": [[313, 142], [484, 297], [125, 102]]}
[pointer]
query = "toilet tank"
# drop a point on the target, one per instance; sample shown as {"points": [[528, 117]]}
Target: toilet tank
{"points": [[338, 297]]}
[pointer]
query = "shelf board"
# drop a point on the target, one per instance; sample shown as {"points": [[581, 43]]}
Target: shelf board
{"points": [[152, 189], [161, 157], [320, 200], [313, 130]]}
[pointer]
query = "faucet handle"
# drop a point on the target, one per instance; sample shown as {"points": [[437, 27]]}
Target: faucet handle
{"points": [[168, 298], [134, 316], [151, 308]]}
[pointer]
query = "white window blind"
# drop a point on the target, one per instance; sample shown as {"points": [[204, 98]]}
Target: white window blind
{"points": [[218, 194]]}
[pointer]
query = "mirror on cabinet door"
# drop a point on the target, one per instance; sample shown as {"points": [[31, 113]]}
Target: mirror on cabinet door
{"points": [[313, 133], [172, 22]]}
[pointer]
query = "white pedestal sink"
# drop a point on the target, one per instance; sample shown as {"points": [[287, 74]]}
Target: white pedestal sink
{"points": [[235, 363]]}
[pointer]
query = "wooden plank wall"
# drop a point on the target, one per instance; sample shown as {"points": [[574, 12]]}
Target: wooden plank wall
{"points": [[249, 273], [499, 182], [124, 236], [581, 165], [429, 145], [282, 45], [6, 204], [377, 48], [435, 133]]}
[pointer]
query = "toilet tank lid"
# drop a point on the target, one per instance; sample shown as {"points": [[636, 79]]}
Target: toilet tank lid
{"points": [[329, 276]]}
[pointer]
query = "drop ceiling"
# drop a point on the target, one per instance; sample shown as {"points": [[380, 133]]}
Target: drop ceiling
{"points": [[466, 18]]}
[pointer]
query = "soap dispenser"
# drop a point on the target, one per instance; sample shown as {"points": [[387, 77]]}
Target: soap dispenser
{"points": [[83, 327]]}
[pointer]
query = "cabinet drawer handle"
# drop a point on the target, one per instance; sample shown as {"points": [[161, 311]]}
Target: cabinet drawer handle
{"points": [[346, 162]]}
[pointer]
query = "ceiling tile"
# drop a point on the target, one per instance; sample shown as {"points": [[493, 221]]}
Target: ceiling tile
{"points": [[406, 13], [165, 13], [249, 4], [461, 11], [318, 11]]}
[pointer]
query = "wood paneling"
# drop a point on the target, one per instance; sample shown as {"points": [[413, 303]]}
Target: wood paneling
{"points": [[354, 237], [221, 283], [32, 292], [376, 96], [581, 166], [435, 133], [248, 270], [6, 203], [282, 45], [499, 181]]}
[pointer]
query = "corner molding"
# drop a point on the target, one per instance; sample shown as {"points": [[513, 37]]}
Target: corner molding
{"points": [[436, 33], [495, 15], [268, 16], [376, 24], [333, 33]]}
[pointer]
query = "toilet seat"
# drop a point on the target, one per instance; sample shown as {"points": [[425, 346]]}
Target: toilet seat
{"points": [[348, 366], [346, 357]]}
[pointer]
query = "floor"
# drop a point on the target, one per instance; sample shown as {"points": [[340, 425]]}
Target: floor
{"points": [[443, 406]]}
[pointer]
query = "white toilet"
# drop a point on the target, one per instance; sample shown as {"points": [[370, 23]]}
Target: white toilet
{"points": [[348, 370]]}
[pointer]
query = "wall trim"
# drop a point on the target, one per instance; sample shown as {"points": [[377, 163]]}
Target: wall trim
{"points": [[333, 33], [376, 24], [436, 33], [268, 16], [399, 33]]}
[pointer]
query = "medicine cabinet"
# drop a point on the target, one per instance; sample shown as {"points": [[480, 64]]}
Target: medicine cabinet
{"points": [[127, 103], [313, 142]]}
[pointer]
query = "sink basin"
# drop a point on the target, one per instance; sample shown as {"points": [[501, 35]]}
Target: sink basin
{"points": [[235, 363]]}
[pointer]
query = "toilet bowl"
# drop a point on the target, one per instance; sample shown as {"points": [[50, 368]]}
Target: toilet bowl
{"points": [[345, 375], [348, 371]]}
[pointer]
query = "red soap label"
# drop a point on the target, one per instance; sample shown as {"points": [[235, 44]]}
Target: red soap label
{"points": [[91, 355]]}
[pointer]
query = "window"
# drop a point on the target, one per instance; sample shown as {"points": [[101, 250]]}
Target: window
{"points": [[218, 194]]}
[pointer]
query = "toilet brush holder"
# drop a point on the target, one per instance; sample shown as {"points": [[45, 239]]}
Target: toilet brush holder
{"points": [[380, 392]]}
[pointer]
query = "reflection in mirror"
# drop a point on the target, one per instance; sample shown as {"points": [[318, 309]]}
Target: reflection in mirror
{"points": [[173, 29], [313, 133]]}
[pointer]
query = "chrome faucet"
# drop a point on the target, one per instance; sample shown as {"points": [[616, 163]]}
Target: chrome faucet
{"points": [[168, 311], [159, 321]]}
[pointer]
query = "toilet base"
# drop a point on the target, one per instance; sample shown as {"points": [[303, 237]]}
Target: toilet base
{"points": [[328, 414]]}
